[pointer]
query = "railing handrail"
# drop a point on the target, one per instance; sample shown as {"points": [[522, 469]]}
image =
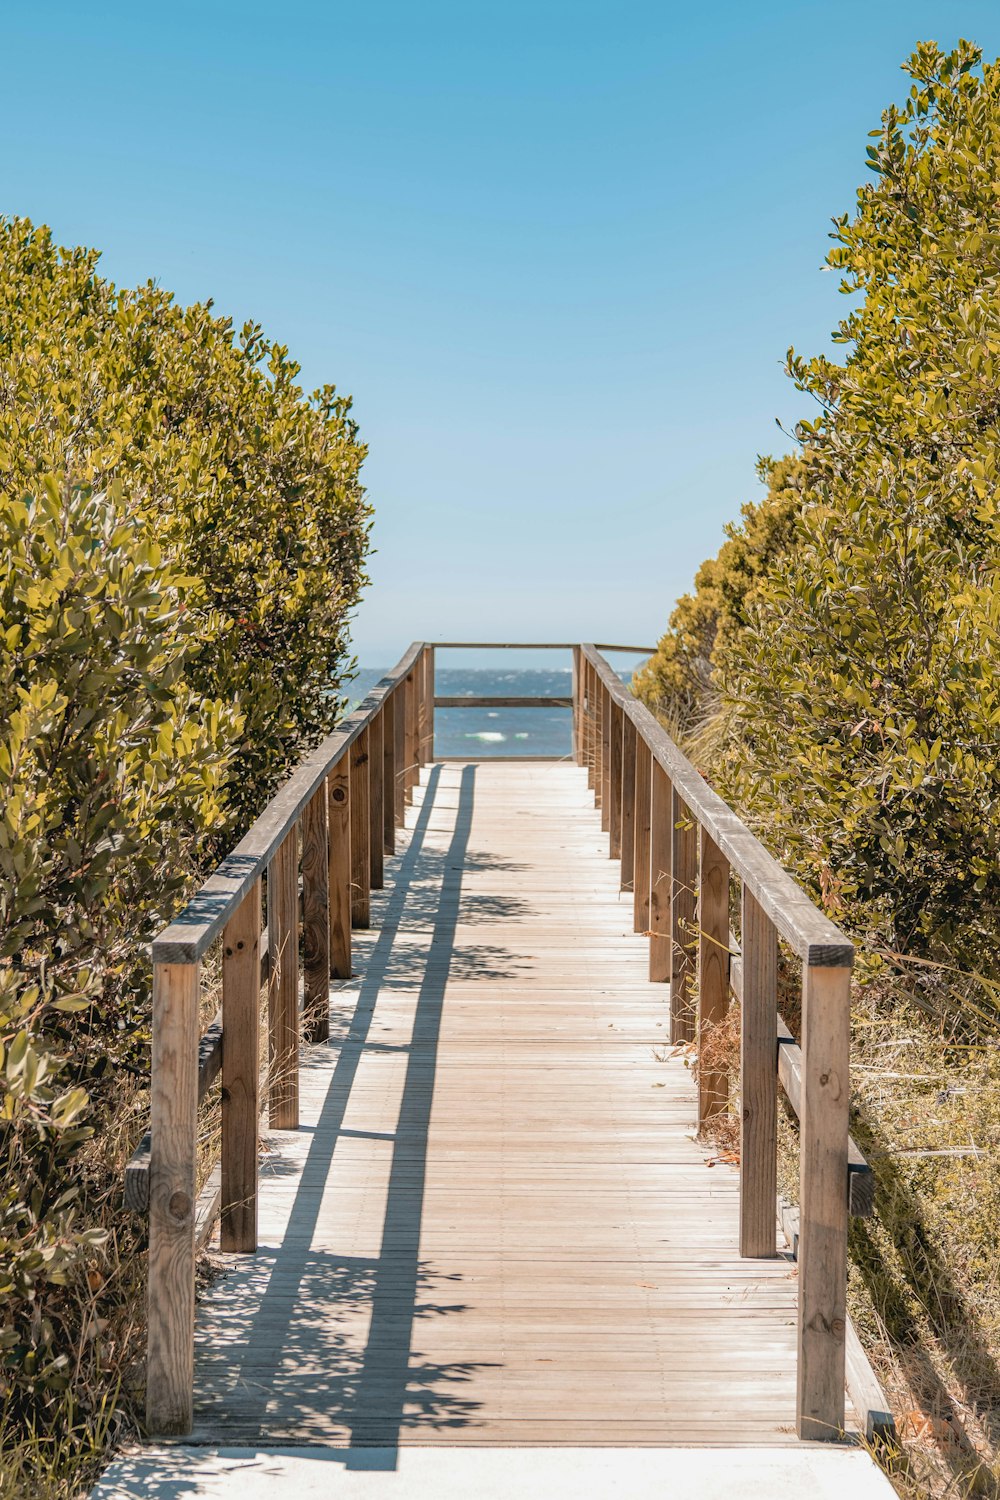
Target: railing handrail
{"points": [[810, 933], [188, 936]]}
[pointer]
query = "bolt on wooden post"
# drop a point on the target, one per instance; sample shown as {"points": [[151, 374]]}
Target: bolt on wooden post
{"points": [[174, 1148], [240, 1074]]}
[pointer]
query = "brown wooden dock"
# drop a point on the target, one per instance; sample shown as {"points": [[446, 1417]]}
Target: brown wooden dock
{"points": [[494, 1224]]}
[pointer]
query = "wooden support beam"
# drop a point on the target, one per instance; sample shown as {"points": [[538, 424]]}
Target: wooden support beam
{"points": [[759, 1126], [376, 812], [338, 788], [713, 973], [399, 730], [589, 722], [429, 690], [615, 784], [283, 985], [389, 775], [411, 768], [361, 871], [316, 917], [422, 709], [826, 1030], [241, 1074], [577, 701], [660, 875], [606, 735], [683, 907], [628, 804], [643, 779]]}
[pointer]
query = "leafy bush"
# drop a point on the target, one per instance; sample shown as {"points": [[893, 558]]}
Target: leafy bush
{"points": [[182, 537]]}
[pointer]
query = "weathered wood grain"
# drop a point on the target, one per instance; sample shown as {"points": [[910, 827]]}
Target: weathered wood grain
{"points": [[628, 804], [173, 1126], [713, 973], [376, 813], [361, 870], [241, 1074], [338, 803], [661, 845], [615, 782], [643, 776], [283, 985], [389, 774], [758, 1078], [316, 916], [683, 928], [822, 1322]]}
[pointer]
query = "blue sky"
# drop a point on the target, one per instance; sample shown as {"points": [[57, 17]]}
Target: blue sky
{"points": [[555, 251]]}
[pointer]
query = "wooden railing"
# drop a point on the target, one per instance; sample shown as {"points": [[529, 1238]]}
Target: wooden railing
{"points": [[307, 867], [309, 862], [682, 852]]}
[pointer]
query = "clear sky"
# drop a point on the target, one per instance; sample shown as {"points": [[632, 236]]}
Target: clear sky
{"points": [[556, 251]]}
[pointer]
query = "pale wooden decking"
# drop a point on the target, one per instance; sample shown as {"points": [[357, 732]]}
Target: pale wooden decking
{"points": [[494, 1225]]}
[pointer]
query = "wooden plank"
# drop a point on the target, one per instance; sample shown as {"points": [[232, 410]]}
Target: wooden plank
{"points": [[683, 908], [508, 701], [174, 1127], [241, 1074], [399, 726], [360, 833], [189, 935], [713, 973], [808, 931], [865, 1390], [628, 804], [759, 1122], [316, 917], [411, 770], [577, 705], [615, 784], [661, 843], [589, 721], [389, 775], [641, 819], [376, 812], [283, 985], [338, 804], [422, 708], [826, 1028]]}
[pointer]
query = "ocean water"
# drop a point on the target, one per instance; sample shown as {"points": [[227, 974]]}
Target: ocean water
{"points": [[484, 732]]}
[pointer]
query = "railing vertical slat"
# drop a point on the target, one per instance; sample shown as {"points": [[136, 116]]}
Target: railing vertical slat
{"points": [[628, 804], [389, 774], [399, 725], [713, 972], [660, 857], [283, 987], [577, 706], [429, 691], [174, 1134], [759, 1080], [823, 1124], [338, 786], [589, 721], [683, 907], [643, 778], [422, 709], [240, 1074], [316, 917], [361, 869], [605, 698], [375, 793], [615, 784]]}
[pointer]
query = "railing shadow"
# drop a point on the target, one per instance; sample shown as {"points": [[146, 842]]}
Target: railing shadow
{"points": [[286, 1357]]}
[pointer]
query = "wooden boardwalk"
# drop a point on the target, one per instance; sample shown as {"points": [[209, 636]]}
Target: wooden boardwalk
{"points": [[494, 1225]]}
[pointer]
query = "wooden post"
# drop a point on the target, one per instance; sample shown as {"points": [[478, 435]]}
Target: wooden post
{"points": [[599, 744], [429, 670], [577, 709], [759, 1081], [361, 868], [643, 778], [823, 1121], [615, 785], [376, 792], [605, 759], [422, 709], [338, 786], [173, 1155], [683, 908], [660, 856], [589, 720], [628, 803], [412, 773], [283, 988], [316, 917], [389, 774], [240, 1074], [399, 727], [713, 972]]}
